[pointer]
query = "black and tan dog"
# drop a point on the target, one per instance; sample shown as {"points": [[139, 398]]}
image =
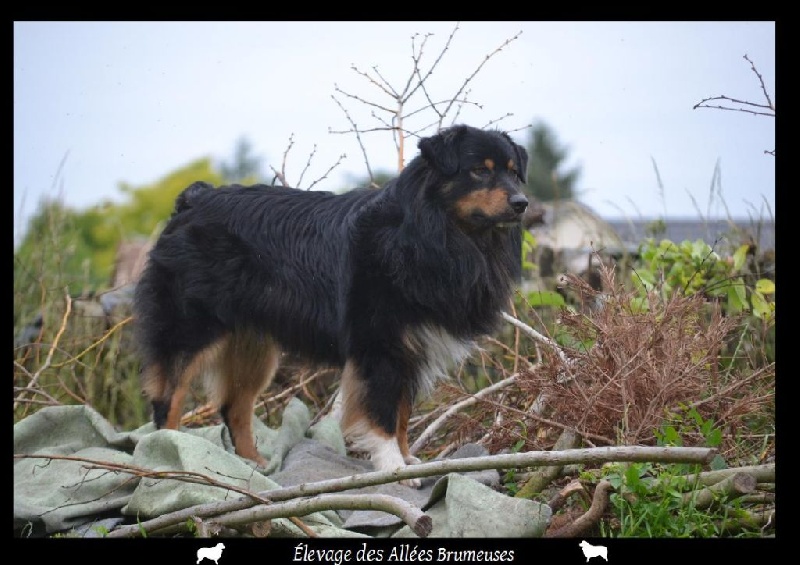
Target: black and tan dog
{"points": [[393, 285]]}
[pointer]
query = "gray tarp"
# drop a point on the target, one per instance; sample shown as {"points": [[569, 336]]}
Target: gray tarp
{"points": [[53, 495]]}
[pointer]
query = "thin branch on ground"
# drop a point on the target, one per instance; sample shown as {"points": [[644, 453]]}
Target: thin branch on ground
{"points": [[417, 520], [426, 435]]}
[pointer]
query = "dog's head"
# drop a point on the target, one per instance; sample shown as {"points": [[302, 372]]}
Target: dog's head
{"points": [[482, 175]]}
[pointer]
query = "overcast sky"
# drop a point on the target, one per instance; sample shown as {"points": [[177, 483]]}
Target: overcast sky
{"points": [[99, 103]]}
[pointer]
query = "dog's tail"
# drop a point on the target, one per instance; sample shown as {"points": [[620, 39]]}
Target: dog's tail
{"points": [[184, 199]]}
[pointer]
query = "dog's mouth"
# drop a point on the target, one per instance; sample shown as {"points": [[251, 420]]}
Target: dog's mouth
{"points": [[504, 221]]}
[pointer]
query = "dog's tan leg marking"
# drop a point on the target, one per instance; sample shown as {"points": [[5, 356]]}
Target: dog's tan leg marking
{"points": [[202, 361], [247, 366], [155, 383], [403, 415], [385, 449]]}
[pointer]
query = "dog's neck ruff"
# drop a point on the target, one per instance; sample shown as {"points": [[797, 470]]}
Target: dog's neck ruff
{"points": [[437, 351]]}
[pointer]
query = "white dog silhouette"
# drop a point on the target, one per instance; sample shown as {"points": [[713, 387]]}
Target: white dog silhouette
{"points": [[590, 550], [210, 553]]}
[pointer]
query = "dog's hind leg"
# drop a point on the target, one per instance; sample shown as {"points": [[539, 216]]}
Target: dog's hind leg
{"points": [[247, 366], [166, 383]]}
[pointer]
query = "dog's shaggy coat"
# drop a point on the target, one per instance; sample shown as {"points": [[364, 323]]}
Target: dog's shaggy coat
{"points": [[392, 285]]}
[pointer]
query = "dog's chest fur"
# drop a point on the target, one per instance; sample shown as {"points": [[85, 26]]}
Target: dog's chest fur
{"points": [[436, 351]]}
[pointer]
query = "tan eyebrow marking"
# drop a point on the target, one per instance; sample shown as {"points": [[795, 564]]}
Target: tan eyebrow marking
{"points": [[512, 166], [489, 164]]}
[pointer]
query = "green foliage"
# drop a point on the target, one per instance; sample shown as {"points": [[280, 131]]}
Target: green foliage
{"points": [[648, 502], [536, 298], [510, 480], [694, 267], [545, 159], [687, 421], [649, 499], [85, 243], [81, 356], [528, 248]]}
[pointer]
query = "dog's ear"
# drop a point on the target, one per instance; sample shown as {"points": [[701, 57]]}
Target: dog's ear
{"points": [[521, 157], [441, 150]]}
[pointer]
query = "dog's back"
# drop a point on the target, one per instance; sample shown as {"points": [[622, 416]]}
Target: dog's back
{"points": [[261, 257]]}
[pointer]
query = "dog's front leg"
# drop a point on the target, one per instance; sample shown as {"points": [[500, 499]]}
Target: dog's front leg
{"points": [[376, 406]]}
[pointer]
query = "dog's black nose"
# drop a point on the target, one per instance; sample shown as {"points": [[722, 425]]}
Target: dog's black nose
{"points": [[518, 202]]}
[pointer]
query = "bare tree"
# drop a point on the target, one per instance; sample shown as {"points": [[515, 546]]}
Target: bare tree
{"points": [[414, 98]]}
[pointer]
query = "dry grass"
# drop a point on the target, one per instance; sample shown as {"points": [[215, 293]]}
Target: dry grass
{"points": [[629, 371]]}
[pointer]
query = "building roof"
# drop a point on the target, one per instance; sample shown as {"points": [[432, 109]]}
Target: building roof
{"points": [[716, 232]]}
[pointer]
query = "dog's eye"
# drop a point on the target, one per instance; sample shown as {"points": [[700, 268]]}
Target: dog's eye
{"points": [[482, 171]]}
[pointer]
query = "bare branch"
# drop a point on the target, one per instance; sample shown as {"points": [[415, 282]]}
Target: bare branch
{"points": [[761, 81], [362, 100], [418, 58], [703, 104], [308, 164], [338, 162], [53, 347], [537, 336], [418, 521], [480, 66], [384, 86], [358, 135], [425, 437]]}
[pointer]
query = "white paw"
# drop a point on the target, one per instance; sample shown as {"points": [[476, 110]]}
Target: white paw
{"points": [[413, 483]]}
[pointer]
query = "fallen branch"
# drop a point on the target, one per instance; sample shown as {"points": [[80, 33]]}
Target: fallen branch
{"points": [[590, 518], [417, 520], [545, 475], [761, 473], [426, 435], [561, 497], [597, 455], [731, 487]]}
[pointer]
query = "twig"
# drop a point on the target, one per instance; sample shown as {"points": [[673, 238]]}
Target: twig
{"points": [[537, 336], [426, 435], [358, 135], [730, 388], [761, 81], [477, 70], [307, 165], [338, 162], [96, 344], [48, 360]]}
